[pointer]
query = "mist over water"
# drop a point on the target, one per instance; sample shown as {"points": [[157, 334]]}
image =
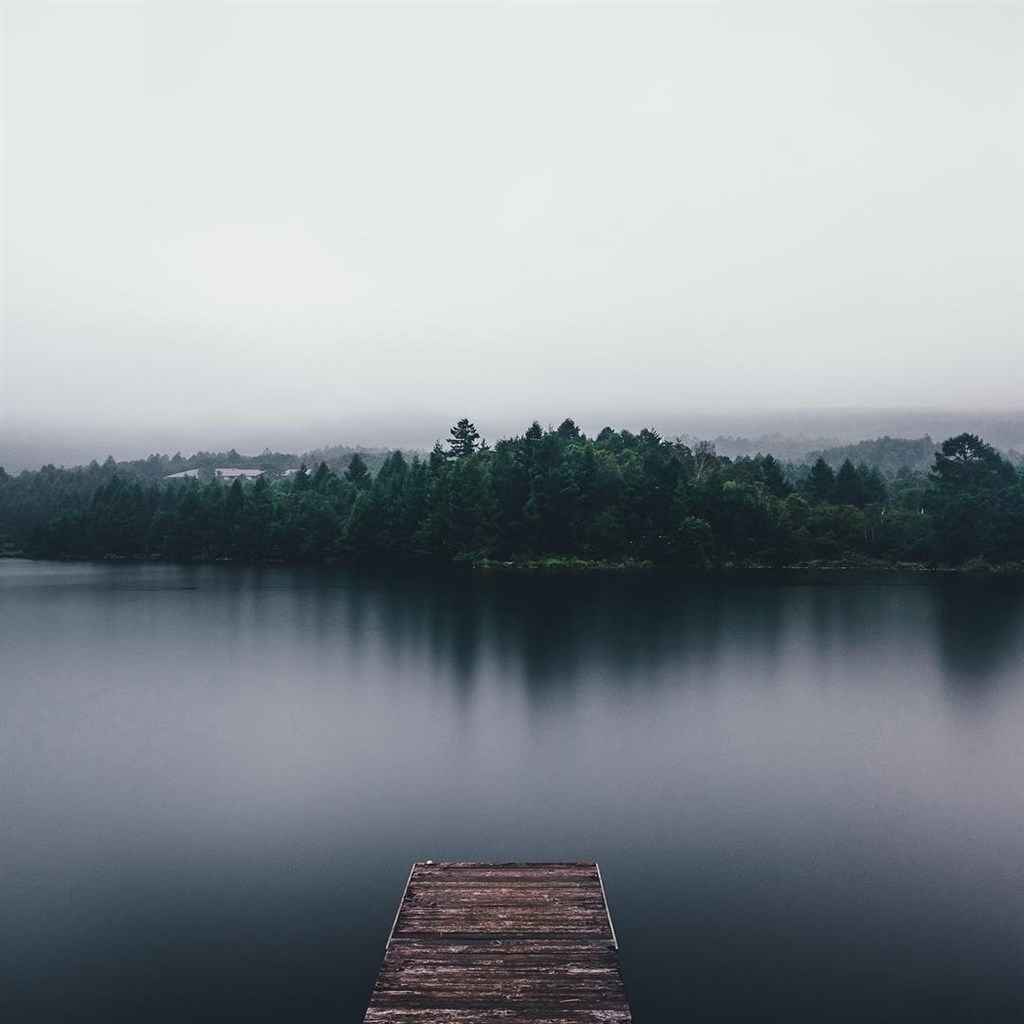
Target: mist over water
{"points": [[804, 795]]}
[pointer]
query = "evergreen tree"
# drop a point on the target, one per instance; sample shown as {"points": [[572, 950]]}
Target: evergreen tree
{"points": [[463, 440], [872, 485], [234, 509], [966, 463], [820, 482], [848, 488], [257, 522], [437, 457], [321, 478], [774, 478], [358, 473]]}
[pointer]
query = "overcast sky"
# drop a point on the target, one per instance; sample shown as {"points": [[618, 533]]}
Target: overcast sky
{"points": [[285, 225]]}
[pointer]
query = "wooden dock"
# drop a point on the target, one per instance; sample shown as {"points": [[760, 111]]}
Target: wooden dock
{"points": [[502, 944]]}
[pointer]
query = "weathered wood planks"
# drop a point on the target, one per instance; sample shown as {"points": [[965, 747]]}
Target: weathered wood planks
{"points": [[501, 943]]}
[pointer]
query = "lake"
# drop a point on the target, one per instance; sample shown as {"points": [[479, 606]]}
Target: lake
{"points": [[806, 794]]}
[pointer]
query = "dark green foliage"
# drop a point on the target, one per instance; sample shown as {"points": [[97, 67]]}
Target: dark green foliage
{"points": [[620, 498], [821, 482], [773, 477], [463, 440], [358, 473], [847, 489], [977, 502], [967, 464]]}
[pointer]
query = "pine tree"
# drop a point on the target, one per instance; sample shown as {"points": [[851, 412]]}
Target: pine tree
{"points": [[821, 482], [320, 477], [848, 489], [463, 440], [774, 478], [358, 473]]}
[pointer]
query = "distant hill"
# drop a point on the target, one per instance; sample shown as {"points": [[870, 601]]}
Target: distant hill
{"points": [[887, 454], [781, 446], [158, 466], [338, 456]]}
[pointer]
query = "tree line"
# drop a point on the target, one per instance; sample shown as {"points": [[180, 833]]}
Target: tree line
{"points": [[619, 497]]}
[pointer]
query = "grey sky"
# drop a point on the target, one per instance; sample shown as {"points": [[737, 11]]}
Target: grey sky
{"points": [[283, 224]]}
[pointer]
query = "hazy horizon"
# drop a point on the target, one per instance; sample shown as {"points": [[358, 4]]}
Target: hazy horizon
{"points": [[1004, 428], [260, 226]]}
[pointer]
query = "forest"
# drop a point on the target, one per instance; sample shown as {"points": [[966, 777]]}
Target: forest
{"points": [[548, 496]]}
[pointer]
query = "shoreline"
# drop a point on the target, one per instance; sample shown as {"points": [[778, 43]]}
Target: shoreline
{"points": [[553, 565], [563, 565]]}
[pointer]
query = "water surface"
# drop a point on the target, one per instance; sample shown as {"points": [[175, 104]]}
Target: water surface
{"points": [[807, 797]]}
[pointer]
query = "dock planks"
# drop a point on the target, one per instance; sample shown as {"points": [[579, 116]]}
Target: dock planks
{"points": [[502, 944]]}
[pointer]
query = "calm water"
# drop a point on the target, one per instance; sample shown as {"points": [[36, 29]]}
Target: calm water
{"points": [[807, 798]]}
